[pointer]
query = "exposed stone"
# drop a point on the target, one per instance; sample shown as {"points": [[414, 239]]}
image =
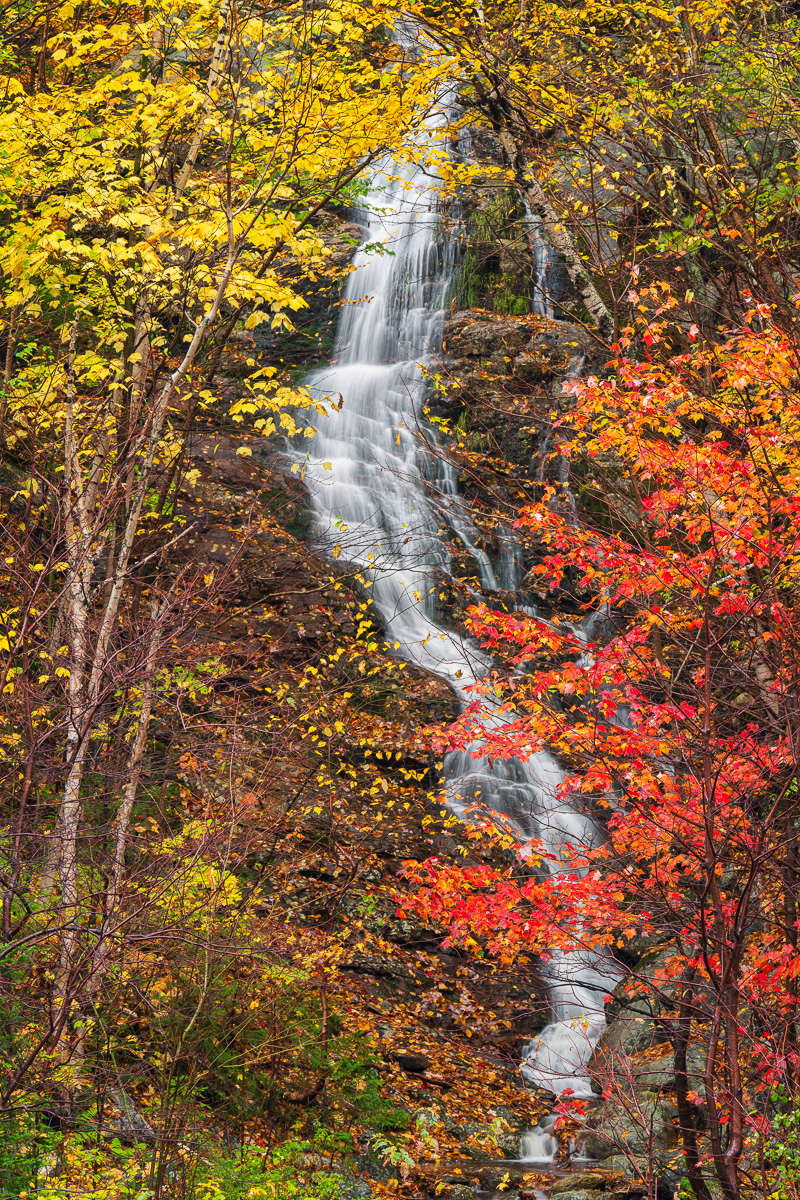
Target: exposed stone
{"points": [[508, 1144], [591, 1181], [478, 1153], [414, 1063], [352, 1187], [373, 1168], [132, 1124], [514, 1119], [595, 1145], [458, 1191], [529, 367], [583, 1194], [633, 1028], [645, 1122], [480, 335], [493, 1177], [51, 1166], [658, 1074], [558, 340], [539, 347]]}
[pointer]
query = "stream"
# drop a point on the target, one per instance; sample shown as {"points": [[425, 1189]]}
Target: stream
{"points": [[380, 495]]}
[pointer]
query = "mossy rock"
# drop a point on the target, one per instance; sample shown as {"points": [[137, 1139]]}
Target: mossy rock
{"points": [[584, 1194], [591, 1181]]}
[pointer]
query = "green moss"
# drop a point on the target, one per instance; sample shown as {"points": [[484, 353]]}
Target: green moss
{"points": [[482, 283]]}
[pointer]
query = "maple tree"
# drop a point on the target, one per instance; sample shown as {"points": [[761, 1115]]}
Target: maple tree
{"points": [[675, 712]]}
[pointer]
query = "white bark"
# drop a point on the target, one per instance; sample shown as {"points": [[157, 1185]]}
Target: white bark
{"points": [[558, 236], [77, 623], [88, 667]]}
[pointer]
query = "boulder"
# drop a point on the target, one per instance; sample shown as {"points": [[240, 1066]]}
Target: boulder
{"points": [[50, 1166], [632, 1125], [352, 1186], [658, 1074], [596, 1145], [530, 367], [583, 1194], [484, 1138], [411, 1062], [514, 1120], [493, 1177], [369, 1167], [554, 340], [481, 335], [633, 1022], [589, 1181], [508, 1144], [537, 346], [458, 1191]]}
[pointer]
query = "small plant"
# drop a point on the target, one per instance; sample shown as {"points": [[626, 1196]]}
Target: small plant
{"points": [[783, 1147], [26, 1148], [393, 1155], [421, 1143]]}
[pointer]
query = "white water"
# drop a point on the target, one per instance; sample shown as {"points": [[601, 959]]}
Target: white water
{"points": [[384, 499], [543, 258]]}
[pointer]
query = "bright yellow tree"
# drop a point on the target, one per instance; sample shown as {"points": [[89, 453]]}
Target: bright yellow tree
{"points": [[162, 169], [652, 140]]}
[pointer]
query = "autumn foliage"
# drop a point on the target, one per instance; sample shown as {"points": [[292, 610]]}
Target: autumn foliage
{"points": [[670, 692]]}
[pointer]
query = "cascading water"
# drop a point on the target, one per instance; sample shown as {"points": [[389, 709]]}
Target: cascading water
{"points": [[382, 498], [378, 493], [543, 259]]}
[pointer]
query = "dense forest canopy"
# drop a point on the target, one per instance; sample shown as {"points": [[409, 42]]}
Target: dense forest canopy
{"points": [[399, 610]]}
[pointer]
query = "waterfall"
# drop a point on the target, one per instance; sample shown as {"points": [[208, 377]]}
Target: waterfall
{"points": [[383, 497], [543, 259], [375, 490]]}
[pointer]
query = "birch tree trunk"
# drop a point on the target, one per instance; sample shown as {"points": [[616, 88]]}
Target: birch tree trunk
{"points": [[88, 666], [558, 235]]}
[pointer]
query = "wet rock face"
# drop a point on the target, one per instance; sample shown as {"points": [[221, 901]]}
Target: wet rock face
{"points": [[478, 335], [311, 341], [533, 348], [635, 1046], [633, 1063], [503, 378], [648, 1128]]}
